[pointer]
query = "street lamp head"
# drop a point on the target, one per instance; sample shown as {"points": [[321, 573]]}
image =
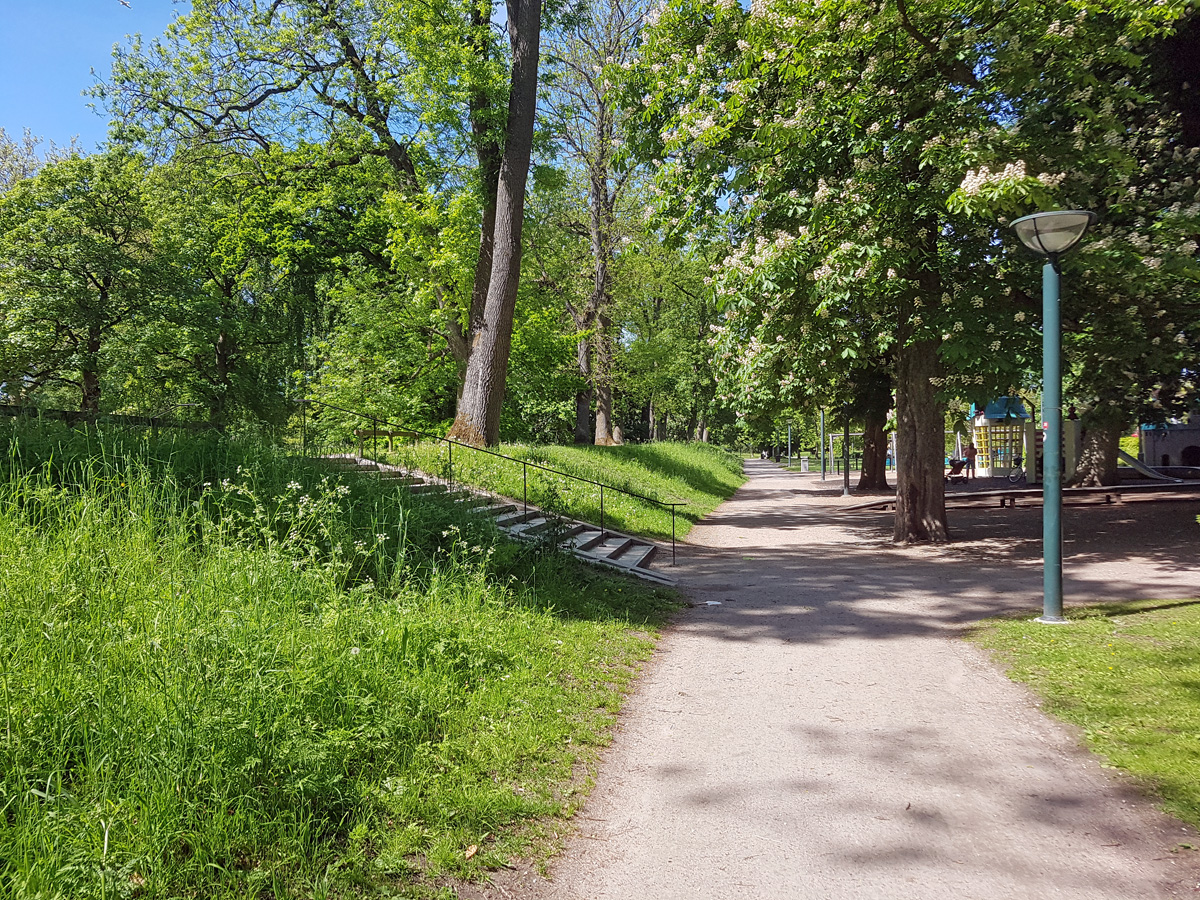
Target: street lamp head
{"points": [[1054, 233]]}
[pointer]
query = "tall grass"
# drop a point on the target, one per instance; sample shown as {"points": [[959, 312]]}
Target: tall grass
{"points": [[225, 673], [698, 476]]}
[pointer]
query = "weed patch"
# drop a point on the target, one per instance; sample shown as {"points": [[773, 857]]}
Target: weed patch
{"points": [[227, 673]]}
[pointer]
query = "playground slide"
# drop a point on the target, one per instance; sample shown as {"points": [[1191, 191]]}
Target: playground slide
{"points": [[1137, 466]]}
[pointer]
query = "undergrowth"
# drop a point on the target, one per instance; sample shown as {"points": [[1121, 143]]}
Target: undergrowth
{"points": [[228, 673]]}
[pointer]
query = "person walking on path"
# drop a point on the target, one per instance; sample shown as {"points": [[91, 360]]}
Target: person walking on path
{"points": [[815, 727], [970, 455]]}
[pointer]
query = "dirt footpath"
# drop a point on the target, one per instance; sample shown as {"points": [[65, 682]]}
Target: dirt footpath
{"points": [[814, 728]]}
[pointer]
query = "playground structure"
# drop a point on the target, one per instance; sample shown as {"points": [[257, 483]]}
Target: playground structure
{"points": [[1171, 445]]}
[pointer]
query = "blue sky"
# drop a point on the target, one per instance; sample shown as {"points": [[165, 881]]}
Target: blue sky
{"points": [[47, 51]]}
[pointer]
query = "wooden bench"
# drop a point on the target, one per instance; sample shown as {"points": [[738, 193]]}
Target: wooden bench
{"points": [[367, 434]]}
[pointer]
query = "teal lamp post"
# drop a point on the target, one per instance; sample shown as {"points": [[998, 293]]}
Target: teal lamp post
{"points": [[1051, 234]]}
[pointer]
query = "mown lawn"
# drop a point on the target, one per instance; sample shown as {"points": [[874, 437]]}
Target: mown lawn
{"points": [[227, 673], [1129, 676], [699, 476]]}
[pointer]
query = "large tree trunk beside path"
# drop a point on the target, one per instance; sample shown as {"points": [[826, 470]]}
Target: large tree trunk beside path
{"points": [[920, 447], [478, 419], [874, 462]]}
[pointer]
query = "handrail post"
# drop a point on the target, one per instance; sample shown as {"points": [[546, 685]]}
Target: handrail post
{"points": [[672, 534], [601, 512], [450, 445], [525, 484], [375, 439], [304, 427]]}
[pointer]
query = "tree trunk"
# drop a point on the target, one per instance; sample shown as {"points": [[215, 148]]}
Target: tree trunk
{"points": [[491, 158], [218, 408], [600, 228], [603, 383], [1098, 455], [920, 417], [89, 376], [478, 419], [920, 425], [583, 397], [875, 446]]}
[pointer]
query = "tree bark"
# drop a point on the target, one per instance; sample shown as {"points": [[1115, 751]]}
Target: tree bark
{"points": [[920, 426], [920, 417], [1098, 456], [478, 419], [219, 407], [601, 229], [874, 462], [583, 397], [89, 376], [605, 436]]}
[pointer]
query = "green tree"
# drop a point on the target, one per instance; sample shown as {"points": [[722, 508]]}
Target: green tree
{"points": [[411, 84], [81, 269], [837, 133], [598, 40]]}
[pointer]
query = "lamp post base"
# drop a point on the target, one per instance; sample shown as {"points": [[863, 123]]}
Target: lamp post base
{"points": [[1052, 620]]}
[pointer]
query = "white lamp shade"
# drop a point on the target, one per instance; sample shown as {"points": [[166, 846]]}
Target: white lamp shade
{"points": [[1053, 233]]}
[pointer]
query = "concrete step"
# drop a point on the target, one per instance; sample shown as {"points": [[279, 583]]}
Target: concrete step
{"points": [[400, 478], [528, 526], [495, 511], [587, 539], [641, 556], [425, 488], [515, 518], [614, 551]]}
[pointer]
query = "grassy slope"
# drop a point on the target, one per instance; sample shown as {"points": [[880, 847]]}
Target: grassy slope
{"points": [[225, 675], [1127, 674], [698, 474]]}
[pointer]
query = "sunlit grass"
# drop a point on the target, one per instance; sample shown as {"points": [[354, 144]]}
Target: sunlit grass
{"points": [[225, 673], [697, 476], [1129, 676]]}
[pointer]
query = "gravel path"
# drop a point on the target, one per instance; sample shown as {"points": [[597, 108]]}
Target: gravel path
{"points": [[823, 732]]}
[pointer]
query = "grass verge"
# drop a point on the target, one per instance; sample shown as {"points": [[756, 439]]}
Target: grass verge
{"points": [[1127, 674], [700, 475], [227, 673]]}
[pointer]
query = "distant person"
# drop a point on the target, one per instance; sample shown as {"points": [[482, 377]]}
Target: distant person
{"points": [[970, 455]]}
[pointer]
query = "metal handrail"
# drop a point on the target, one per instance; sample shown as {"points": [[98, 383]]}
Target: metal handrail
{"points": [[376, 421]]}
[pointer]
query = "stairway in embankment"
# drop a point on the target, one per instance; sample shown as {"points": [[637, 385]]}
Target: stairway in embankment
{"points": [[522, 522]]}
